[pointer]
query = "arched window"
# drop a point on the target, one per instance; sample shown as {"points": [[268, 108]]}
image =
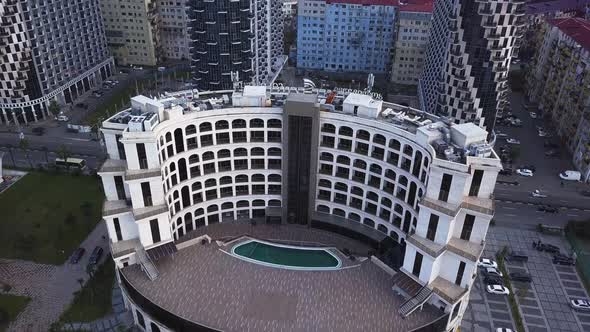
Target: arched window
{"points": [[390, 174], [208, 155], [394, 236], [325, 183], [408, 150], [175, 194], [238, 123], [386, 202], [179, 140], [394, 144], [210, 183], [222, 124], [140, 319], [227, 206], [376, 169], [372, 196], [190, 129], [345, 131], [341, 186], [360, 164], [212, 208], [274, 152], [257, 178], [369, 222], [224, 153], [193, 159], [242, 204], [328, 128], [186, 197], [339, 212], [168, 137], [257, 152], [399, 209], [161, 141], [274, 202], [241, 178], [196, 186], [273, 123], [354, 217], [323, 209], [325, 156], [154, 327], [199, 212], [225, 180], [382, 228], [256, 123], [182, 174], [240, 152], [379, 139], [258, 202], [363, 134], [205, 126], [188, 222], [357, 191], [417, 164], [343, 160], [274, 178], [403, 180]]}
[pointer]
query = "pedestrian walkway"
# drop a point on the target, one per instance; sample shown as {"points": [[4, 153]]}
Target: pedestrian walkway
{"points": [[51, 288], [119, 320]]}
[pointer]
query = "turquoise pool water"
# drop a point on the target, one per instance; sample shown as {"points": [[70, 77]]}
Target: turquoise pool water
{"points": [[278, 255]]}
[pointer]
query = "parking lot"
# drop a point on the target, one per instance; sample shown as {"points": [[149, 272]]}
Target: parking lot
{"points": [[543, 303]]}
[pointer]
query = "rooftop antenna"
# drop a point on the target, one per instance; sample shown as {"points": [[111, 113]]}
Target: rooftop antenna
{"points": [[370, 82]]}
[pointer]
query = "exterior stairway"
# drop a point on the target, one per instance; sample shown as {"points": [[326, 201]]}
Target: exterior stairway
{"points": [[146, 264], [415, 302]]}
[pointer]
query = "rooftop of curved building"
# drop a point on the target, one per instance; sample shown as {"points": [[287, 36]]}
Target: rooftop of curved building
{"points": [[205, 285], [453, 142]]}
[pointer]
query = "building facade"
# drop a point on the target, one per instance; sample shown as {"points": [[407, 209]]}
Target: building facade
{"points": [[243, 37], [133, 31], [173, 29], [382, 170], [559, 82], [411, 42], [346, 35], [55, 50], [466, 70]]}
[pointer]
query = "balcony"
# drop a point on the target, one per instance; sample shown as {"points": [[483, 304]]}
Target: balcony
{"points": [[113, 165], [478, 204], [138, 174], [469, 250], [126, 247], [431, 248], [447, 290], [149, 211], [110, 208]]}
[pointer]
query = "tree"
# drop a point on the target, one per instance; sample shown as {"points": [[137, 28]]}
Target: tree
{"points": [[24, 145], [10, 147], [54, 108], [64, 154], [81, 282]]}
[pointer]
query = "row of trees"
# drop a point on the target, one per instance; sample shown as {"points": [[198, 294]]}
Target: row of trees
{"points": [[24, 145]]}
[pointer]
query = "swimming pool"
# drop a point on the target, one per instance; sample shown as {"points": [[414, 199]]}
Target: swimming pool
{"points": [[286, 256]]}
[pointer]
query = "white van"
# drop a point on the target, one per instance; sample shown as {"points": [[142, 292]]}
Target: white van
{"points": [[570, 175]]}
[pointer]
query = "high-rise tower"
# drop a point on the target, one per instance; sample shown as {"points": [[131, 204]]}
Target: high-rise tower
{"points": [[466, 69]]}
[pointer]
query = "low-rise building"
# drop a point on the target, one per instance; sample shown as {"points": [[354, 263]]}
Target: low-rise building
{"points": [[559, 82], [173, 29]]}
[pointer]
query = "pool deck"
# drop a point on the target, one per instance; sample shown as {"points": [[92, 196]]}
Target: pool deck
{"points": [[207, 286]]}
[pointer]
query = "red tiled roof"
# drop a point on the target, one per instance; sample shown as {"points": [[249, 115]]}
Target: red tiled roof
{"points": [[403, 5], [575, 27]]}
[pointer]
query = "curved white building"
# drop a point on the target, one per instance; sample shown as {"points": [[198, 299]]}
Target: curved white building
{"points": [[186, 168]]}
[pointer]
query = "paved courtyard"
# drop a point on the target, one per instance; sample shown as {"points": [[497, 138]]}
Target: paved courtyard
{"points": [[544, 303]]}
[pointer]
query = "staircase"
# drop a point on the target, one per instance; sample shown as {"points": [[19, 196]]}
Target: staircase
{"points": [[146, 264], [415, 302]]}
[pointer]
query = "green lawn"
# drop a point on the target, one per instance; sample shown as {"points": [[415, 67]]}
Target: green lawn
{"points": [[46, 216], [10, 307], [94, 300]]}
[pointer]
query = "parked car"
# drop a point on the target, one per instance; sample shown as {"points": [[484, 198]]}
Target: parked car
{"points": [[585, 193], [506, 171], [580, 304], [524, 172], [497, 289], [517, 257], [493, 280], [39, 131], [552, 153], [533, 115], [520, 276], [512, 141], [78, 253], [547, 208], [546, 247], [531, 167], [486, 262], [501, 135], [563, 260], [570, 175], [95, 256], [492, 271], [62, 118], [538, 194]]}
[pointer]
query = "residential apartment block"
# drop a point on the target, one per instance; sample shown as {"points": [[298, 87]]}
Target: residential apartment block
{"points": [[346, 35], [243, 37], [132, 30], [466, 69], [559, 81], [173, 29], [49, 50], [412, 34]]}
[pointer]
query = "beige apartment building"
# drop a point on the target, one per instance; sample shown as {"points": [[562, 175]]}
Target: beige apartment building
{"points": [[132, 31]]}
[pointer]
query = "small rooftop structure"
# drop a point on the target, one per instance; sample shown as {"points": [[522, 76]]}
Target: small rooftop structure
{"points": [[362, 105], [468, 133]]}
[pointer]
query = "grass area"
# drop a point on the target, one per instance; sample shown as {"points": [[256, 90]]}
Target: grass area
{"points": [[93, 301], [46, 216], [117, 101], [512, 297], [10, 307]]}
